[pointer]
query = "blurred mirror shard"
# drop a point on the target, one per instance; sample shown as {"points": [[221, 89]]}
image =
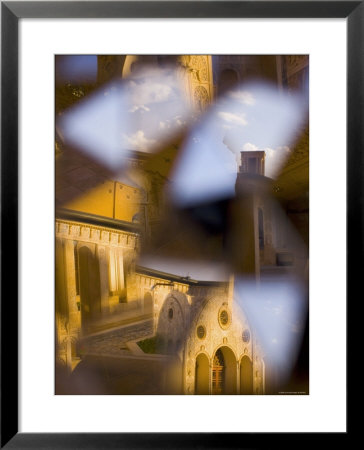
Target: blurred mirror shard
{"points": [[276, 310], [182, 224], [206, 169], [136, 114], [252, 117], [259, 117], [96, 123]]}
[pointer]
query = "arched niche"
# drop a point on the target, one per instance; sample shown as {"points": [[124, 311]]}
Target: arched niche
{"points": [[228, 79], [171, 326], [246, 376], [202, 375], [224, 372], [89, 274], [148, 302]]}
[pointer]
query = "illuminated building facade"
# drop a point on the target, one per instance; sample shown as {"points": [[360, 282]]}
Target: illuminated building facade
{"points": [[102, 223]]}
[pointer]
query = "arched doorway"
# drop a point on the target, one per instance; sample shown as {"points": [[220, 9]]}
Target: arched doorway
{"points": [[224, 372], [228, 78], [218, 373], [246, 376], [148, 302], [202, 375], [90, 295], [171, 323]]}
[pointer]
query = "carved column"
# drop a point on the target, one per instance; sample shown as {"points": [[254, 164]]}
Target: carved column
{"points": [[199, 83], [116, 272], [61, 280], [120, 269], [112, 270], [70, 273], [104, 279]]}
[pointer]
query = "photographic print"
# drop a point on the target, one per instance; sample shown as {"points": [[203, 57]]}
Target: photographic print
{"points": [[181, 224]]}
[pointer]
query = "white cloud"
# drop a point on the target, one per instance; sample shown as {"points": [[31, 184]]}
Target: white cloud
{"points": [[269, 152], [279, 153], [284, 148], [138, 141], [233, 118], [139, 107], [168, 124], [248, 147], [150, 92], [244, 97]]}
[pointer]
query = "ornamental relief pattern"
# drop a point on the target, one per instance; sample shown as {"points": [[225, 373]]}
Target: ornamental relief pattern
{"points": [[200, 83], [217, 336], [201, 98], [95, 234], [200, 68], [197, 65]]}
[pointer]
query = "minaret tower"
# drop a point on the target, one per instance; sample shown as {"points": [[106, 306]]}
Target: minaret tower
{"points": [[252, 163], [247, 229]]}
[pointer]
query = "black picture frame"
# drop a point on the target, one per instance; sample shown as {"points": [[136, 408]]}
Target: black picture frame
{"points": [[11, 12]]}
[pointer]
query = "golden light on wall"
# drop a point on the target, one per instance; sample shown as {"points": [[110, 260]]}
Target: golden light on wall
{"points": [[181, 224]]}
